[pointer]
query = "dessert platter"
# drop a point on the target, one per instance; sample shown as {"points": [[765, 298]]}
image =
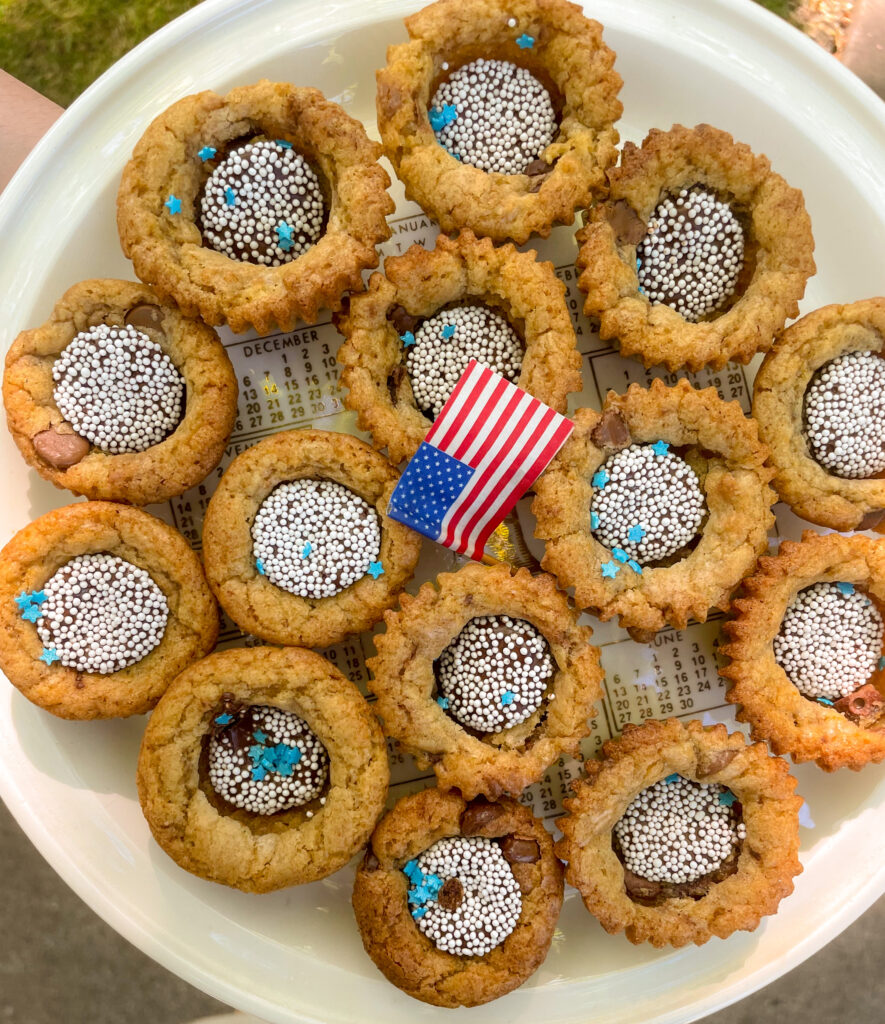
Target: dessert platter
{"points": [[329, 769]]}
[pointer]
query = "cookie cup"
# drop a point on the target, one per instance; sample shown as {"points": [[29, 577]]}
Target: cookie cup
{"points": [[48, 442], [767, 700], [249, 598], [723, 448], [407, 957], [812, 491], [94, 527], [404, 680], [570, 59], [167, 250], [422, 282], [767, 860], [248, 851], [778, 250]]}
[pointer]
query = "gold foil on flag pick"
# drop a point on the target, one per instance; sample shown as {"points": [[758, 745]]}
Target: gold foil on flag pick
{"points": [[507, 545]]}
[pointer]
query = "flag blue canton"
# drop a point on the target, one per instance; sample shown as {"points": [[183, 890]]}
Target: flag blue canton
{"points": [[429, 485]]}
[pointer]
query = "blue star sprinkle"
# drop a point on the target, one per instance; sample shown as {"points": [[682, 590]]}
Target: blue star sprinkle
{"points": [[173, 204], [635, 534], [407, 339], [206, 153], [600, 479], [443, 702], [375, 570], [284, 236], [412, 871], [727, 798], [594, 520], [418, 894], [437, 120], [224, 719], [845, 588], [450, 112], [49, 655], [881, 663], [620, 554], [610, 569], [660, 448], [635, 566], [419, 912], [259, 565], [306, 550], [283, 143], [451, 152], [638, 263], [448, 331], [825, 702], [433, 884], [23, 600], [259, 774], [508, 697], [32, 613], [230, 197], [259, 735], [672, 778], [525, 41], [38, 597]]}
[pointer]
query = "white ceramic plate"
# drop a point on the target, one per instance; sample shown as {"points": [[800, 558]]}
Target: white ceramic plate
{"points": [[296, 955]]}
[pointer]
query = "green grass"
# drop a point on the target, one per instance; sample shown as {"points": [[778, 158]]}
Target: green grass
{"points": [[60, 46]]}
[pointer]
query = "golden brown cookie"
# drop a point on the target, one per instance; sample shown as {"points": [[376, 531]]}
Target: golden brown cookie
{"points": [[841, 733], [774, 266], [308, 557], [564, 51], [159, 206], [149, 593], [194, 443], [390, 920], [541, 702], [722, 448], [380, 328], [207, 833], [805, 350], [760, 875]]}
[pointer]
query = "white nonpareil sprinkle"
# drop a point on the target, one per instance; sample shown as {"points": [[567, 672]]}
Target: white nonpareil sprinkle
{"points": [[692, 255], [660, 494], [435, 362], [118, 389], [495, 672], [845, 415], [829, 641], [232, 770], [677, 831], [101, 614], [505, 117], [342, 530], [251, 193], [491, 903]]}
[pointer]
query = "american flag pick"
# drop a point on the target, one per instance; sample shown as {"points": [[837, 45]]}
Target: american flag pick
{"points": [[486, 448]]}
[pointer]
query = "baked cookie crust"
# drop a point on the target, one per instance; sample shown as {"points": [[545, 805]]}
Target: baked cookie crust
{"points": [[729, 459], [778, 407], [403, 680], [422, 282], [167, 250], [778, 254], [775, 709], [162, 471], [250, 599], [409, 959], [42, 547], [767, 860], [568, 56], [253, 852]]}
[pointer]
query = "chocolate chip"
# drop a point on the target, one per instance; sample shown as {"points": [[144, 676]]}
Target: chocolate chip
{"points": [[520, 851], [865, 704], [370, 861], [537, 167], [871, 520], [709, 764], [611, 431], [451, 895], [401, 320], [145, 314], [478, 816], [60, 450], [628, 226]]}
